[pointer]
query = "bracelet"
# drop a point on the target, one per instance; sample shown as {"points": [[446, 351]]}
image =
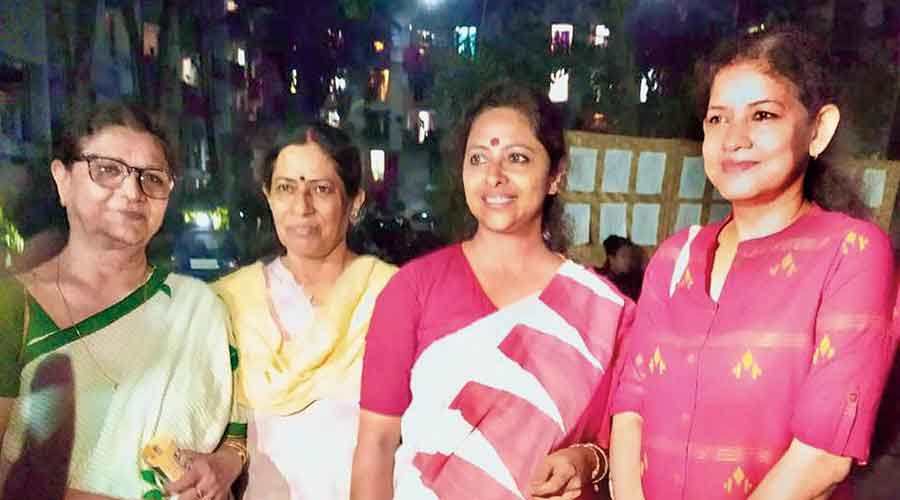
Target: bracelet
{"points": [[239, 448], [596, 474]]}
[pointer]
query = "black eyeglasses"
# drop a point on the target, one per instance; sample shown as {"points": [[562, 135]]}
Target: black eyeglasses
{"points": [[111, 173]]}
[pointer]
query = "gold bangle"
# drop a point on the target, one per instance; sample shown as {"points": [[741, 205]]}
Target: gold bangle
{"points": [[596, 474], [239, 448]]}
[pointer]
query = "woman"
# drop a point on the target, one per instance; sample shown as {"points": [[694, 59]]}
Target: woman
{"points": [[300, 321], [485, 356], [101, 352], [761, 343], [624, 265]]}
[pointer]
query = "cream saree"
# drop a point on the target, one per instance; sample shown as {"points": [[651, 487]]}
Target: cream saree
{"points": [[283, 376], [300, 375], [156, 363]]}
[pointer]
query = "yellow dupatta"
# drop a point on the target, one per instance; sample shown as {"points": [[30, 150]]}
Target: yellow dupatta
{"points": [[282, 376]]}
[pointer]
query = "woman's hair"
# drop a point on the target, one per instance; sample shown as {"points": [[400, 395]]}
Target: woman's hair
{"points": [[548, 126], [332, 141], [802, 60], [613, 243], [83, 125]]}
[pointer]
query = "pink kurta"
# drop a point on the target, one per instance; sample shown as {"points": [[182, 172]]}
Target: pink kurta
{"points": [[485, 393], [798, 346]]}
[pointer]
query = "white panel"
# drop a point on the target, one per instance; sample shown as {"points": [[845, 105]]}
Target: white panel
{"points": [[645, 223], [613, 220], [650, 173], [582, 174], [616, 170], [873, 186], [693, 178], [579, 216], [688, 214]]}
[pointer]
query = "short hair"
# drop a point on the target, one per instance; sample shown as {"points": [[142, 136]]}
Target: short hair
{"points": [[334, 142], [87, 123]]}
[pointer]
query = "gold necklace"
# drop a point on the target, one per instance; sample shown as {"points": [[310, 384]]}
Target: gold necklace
{"points": [[84, 342]]}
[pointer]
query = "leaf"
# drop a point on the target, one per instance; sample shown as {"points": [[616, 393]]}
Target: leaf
{"points": [[154, 494]]}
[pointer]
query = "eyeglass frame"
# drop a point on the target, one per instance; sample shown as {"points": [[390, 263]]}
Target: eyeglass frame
{"points": [[128, 171]]}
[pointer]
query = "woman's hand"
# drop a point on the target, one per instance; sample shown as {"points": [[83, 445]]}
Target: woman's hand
{"points": [[564, 474], [209, 475]]}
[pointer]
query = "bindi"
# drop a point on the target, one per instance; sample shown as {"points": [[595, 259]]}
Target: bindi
{"points": [[495, 141]]}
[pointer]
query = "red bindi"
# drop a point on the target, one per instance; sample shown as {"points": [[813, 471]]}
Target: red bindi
{"points": [[495, 142]]}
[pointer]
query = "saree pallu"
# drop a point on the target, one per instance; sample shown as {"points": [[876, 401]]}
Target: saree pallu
{"points": [[281, 375], [91, 396], [491, 400], [299, 376]]}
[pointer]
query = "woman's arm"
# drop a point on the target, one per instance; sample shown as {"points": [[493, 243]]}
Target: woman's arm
{"points": [[625, 456], [373, 461], [803, 473], [210, 476]]}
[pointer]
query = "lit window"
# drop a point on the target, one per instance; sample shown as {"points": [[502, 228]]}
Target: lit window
{"points": [[600, 36], [231, 6], [757, 28], [335, 38], [424, 125], [465, 40], [559, 86], [377, 161], [649, 83], [379, 83], [333, 118], [338, 83], [294, 81], [151, 39], [385, 85], [561, 38], [379, 46], [241, 57], [189, 72]]}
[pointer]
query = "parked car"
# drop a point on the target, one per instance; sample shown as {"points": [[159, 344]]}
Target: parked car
{"points": [[205, 254]]}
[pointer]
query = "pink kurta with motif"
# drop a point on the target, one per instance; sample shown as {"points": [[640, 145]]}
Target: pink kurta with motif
{"points": [[798, 346], [484, 393]]}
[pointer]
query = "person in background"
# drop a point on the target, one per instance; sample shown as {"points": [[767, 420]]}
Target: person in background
{"points": [[300, 320], [762, 342], [100, 352], [624, 265], [485, 360]]}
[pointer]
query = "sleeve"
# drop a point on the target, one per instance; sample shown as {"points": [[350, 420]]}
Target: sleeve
{"points": [[12, 330], [237, 422], [629, 371], [391, 344], [854, 348]]}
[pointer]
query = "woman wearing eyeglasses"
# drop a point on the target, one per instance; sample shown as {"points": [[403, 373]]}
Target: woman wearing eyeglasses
{"points": [[100, 352]]}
